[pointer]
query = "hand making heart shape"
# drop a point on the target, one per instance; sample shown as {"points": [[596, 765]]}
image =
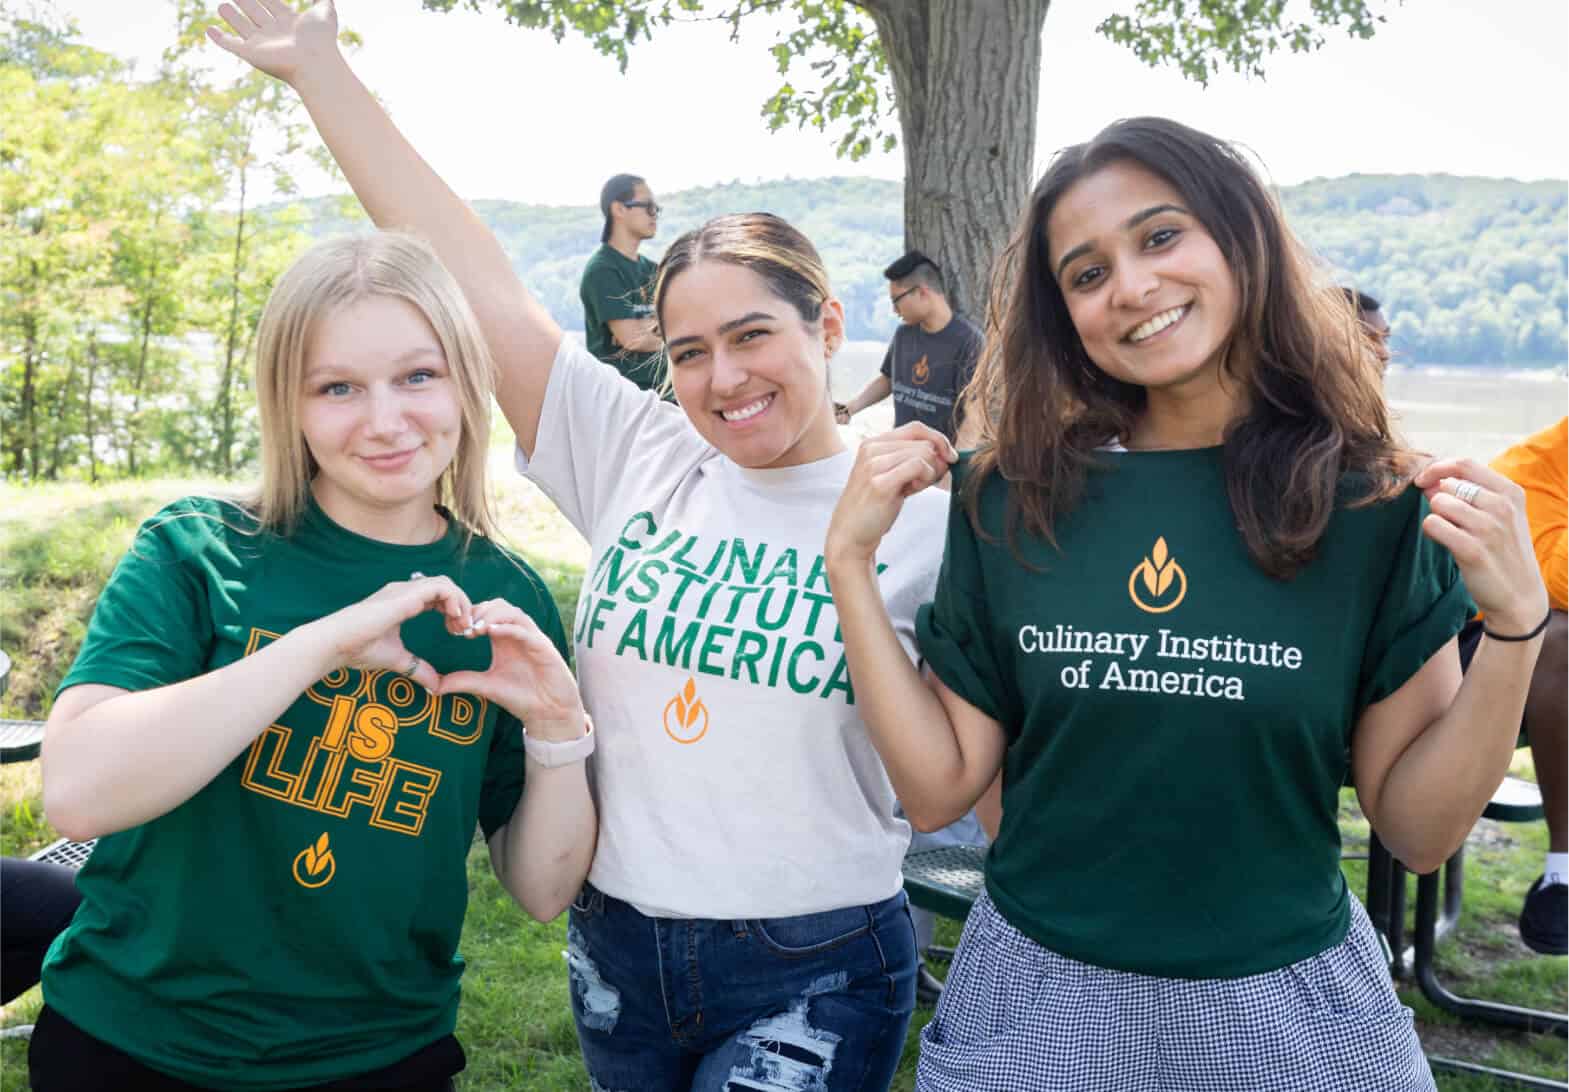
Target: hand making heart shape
{"points": [[366, 634], [527, 676]]}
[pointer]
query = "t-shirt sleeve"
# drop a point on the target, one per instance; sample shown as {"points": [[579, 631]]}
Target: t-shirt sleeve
{"points": [[594, 424], [151, 626], [1423, 605], [953, 629], [503, 784], [616, 294], [887, 366], [1536, 464]]}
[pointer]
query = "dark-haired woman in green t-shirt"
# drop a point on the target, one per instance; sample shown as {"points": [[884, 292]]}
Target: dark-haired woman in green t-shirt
{"points": [[289, 713], [1194, 581]]}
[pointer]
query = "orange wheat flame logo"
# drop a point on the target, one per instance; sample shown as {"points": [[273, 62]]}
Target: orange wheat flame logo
{"points": [[686, 717], [921, 373], [314, 866], [1156, 573]]}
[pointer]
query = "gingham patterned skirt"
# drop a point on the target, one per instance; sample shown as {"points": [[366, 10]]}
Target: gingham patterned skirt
{"points": [[1016, 1017]]}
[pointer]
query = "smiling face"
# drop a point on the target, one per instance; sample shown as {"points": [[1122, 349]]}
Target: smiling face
{"points": [[1150, 293], [379, 410], [749, 371]]}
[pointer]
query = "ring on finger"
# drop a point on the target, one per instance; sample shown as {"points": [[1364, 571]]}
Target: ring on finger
{"points": [[1468, 492], [416, 575], [408, 672]]}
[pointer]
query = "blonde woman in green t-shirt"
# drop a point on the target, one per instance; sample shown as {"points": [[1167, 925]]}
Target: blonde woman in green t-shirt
{"points": [[290, 712], [1194, 582], [744, 915]]}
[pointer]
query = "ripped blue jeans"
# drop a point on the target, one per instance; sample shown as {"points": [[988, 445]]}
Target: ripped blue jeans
{"points": [[814, 1003]]}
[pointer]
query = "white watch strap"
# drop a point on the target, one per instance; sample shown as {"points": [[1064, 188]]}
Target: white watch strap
{"points": [[551, 754]]}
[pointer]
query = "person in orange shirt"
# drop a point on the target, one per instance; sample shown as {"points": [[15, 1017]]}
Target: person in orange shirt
{"points": [[1537, 465]]}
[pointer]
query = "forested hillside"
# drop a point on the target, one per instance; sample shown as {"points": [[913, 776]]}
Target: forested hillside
{"points": [[1470, 270], [136, 260]]}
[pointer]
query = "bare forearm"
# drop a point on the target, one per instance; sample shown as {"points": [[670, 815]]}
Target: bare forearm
{"points": [[396, 186], [136, 756], [636, 335], [874, 392], [1438, 787], [908, 724], [546, 848], [399, 190]]}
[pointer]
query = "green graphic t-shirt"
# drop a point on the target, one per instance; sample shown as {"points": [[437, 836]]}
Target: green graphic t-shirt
{"points": [[1178, 722], [616, 287], [297, 920]]}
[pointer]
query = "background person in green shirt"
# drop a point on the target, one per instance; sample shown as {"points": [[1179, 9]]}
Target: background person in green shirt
{"points": [[1190, 580], [617, 286], [290, 712]]}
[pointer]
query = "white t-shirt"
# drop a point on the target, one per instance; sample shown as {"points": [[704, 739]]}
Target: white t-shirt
{"points": [[733, 774]]}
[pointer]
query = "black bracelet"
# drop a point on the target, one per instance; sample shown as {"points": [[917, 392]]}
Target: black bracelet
{"points": [[1523, 636]]}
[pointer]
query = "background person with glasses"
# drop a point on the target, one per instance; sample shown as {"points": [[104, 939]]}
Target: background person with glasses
{"points": [[931, 357], [618, 315]]}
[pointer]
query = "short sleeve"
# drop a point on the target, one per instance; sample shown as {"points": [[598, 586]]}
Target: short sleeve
{"points": [[152, 625], [887, 367], [616, 293], [593, 425], [953, 630], [504, 766], [1424, 604]]}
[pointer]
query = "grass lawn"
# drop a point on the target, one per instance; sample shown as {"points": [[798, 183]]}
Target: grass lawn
{"points": [[58, 544]]}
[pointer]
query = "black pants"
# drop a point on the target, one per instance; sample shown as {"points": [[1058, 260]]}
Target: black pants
{"points": [[37, 900], [63, 1058]]}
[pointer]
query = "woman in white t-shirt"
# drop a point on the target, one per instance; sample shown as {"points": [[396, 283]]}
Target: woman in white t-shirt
{"points": [[744, 921]]}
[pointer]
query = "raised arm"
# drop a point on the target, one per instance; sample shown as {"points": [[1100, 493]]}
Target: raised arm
{"points": [[400, 191]]}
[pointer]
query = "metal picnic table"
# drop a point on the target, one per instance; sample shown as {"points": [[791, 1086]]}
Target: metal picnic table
{"points": [[948, 880], [20, 740]]}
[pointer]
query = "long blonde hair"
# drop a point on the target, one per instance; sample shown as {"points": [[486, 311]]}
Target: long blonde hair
{"points": [[327, 277]]}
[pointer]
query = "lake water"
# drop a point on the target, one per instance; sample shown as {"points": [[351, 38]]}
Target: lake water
{"points": [[1475, 412]]}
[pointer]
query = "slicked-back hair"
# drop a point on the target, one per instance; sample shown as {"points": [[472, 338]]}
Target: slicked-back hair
{"points": [[620, 187], [1361, 301], [1314, 407], [915, 268], [761, 242]]}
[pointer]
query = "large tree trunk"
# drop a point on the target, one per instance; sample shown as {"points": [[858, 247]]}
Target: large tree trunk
{"points": [[966, 77]]}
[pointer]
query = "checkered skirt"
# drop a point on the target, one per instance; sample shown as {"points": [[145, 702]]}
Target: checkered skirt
{"points": [[1016, 1017]]}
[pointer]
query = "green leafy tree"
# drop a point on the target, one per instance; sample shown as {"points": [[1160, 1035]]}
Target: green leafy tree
{"points": [[958, 79], [254, 131], [56, 192]]}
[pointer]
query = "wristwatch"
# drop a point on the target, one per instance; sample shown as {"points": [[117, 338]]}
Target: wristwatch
{"points": [[551, 754]]}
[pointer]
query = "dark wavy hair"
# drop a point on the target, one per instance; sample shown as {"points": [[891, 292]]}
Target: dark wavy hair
{"points": [[1315, 406]]}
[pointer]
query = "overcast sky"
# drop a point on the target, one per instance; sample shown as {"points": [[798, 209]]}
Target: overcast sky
{"points": [[1460, 86]]}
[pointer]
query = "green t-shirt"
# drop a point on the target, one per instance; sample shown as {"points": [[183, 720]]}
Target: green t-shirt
{"points": [[616, 287], [297, 920], [1178, 722]]}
